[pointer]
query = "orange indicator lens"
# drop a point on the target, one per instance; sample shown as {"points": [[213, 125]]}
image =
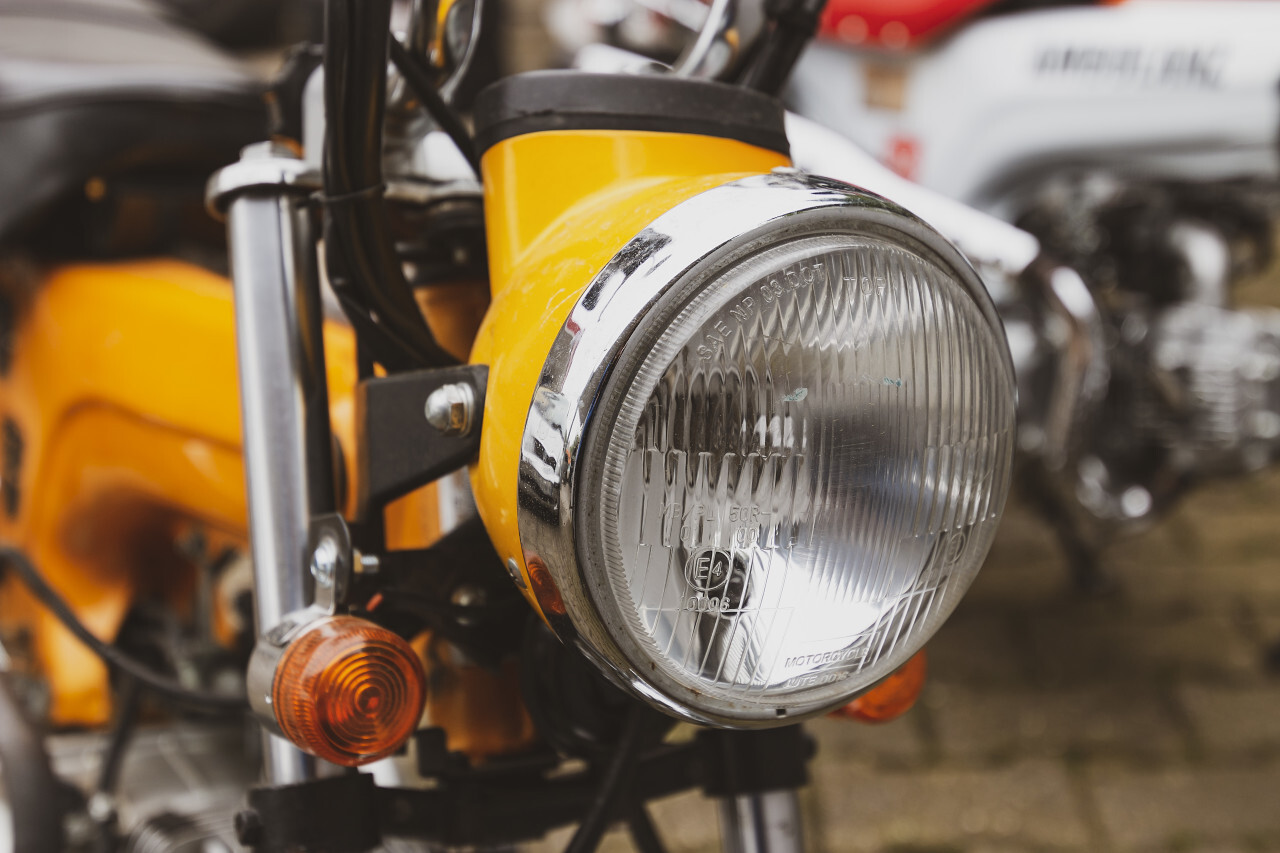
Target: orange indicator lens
{"points": [[892, 697], [348, 691]]}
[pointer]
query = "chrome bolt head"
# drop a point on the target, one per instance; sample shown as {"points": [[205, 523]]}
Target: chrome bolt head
{"points": [[513, 569], [451, 408], [324, 562], [367, 564]]}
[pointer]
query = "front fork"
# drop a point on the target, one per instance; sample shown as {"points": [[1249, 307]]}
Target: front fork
{"points": [[755, 777], [283, 393]]}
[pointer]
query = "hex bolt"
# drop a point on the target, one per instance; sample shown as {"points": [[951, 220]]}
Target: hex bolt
{"points": [[324, 561], [450, 408]]}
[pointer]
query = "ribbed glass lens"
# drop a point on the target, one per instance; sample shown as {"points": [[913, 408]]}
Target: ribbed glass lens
{"points": [[348, 691], [807, 466]]}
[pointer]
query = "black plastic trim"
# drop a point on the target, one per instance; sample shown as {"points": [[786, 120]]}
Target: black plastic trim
{"points": [[574, 100]]}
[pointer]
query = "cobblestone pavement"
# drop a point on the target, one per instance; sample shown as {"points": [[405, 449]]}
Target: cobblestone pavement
{"points": [[1145, 720]]}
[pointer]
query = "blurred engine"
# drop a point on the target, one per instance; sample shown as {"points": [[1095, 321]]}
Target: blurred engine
{"points": [[1218, 374], [179, 788], [1144, 376]]}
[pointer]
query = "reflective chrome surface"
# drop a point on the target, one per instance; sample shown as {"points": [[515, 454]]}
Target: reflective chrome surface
{"points": [[283, 399], [683, 253], [762, 823], [180, 785], [451, 408], [418, 32], [461, 38], [263, 165], [1054, 413], [716, 45], [449, 44]]}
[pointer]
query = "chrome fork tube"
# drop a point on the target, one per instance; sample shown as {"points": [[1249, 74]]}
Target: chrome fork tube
{"points": [[283, 396], [768, 822]]}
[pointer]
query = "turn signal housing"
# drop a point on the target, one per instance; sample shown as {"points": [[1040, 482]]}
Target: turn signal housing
{"points": [[891, 698], [347, 690]]}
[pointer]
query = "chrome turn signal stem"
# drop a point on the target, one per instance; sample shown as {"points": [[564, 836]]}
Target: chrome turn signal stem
{"points": [[761, 823]]}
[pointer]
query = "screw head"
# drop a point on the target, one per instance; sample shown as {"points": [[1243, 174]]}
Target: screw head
{"points": [[513, 569], [450, 408], [324, 561]]}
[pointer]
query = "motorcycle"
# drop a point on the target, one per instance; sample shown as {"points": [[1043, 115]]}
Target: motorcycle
{"points": [[1137, 143], [499, 453], [1134, 142]]}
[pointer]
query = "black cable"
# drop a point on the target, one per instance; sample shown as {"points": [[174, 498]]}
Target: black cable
{"points": [[643, 833], [113, 758], [791, 25], [162, 685], [419, 80], [364, 268], [121, 732], [612, 786]]}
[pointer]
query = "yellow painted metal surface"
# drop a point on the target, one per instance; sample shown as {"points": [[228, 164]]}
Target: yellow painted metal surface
{"points": [[124, 396], [558, 206], [480, 708]]}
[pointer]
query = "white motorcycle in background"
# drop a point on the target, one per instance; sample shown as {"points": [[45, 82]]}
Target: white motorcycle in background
{"points": [[1136, 147]]}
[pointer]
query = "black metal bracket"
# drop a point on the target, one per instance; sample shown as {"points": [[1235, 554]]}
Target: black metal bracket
{"points": [[421, 588], [510, 800], [338, 815], [736, 763], [485, 808], [398, 450], [331, 555]]}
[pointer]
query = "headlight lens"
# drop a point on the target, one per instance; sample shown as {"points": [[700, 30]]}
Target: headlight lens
{"points": [[791, 469]]}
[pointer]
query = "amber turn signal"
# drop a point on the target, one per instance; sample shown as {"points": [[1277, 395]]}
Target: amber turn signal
{"points": [[348, 691], [892, 697]]}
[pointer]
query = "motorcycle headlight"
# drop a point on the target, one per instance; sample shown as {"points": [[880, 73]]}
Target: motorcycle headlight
{"points": [[768, 450]]}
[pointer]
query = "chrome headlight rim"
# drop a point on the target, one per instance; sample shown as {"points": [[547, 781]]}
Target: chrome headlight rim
{"points": [[668, 263]]}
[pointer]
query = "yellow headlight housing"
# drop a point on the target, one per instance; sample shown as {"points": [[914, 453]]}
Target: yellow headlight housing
{"points": [[764, 438]]}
